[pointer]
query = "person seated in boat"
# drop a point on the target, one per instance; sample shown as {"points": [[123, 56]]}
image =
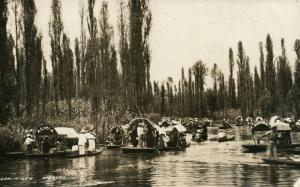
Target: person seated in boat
{"points": [[226, 123], [272, 137], [182, 140], [205, 134]]}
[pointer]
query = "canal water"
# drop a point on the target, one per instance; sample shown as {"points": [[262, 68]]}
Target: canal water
{"points": [[206, 164]]}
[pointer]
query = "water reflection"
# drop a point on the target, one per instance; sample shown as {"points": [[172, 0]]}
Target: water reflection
{"points": [[206, 164]]}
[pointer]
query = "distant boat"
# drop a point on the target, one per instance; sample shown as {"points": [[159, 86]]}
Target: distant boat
{"points": [[224, 137]]}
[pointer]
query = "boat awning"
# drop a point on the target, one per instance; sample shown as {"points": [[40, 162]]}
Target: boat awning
{"points": [[89, 136], [261, 127], [67, 131], [281, 126], [179, 128], [274, 119], [134, 123]]}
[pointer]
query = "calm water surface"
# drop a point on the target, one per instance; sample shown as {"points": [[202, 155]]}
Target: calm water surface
{"points": [[207, 164]]}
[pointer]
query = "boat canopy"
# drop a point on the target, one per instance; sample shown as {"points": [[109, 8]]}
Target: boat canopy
{"points": [[281, 126], [178, 127], [258, 118], [89, 135], [274, 119], [288, 120], [261, 127], [67, 131], [239, 118], [45, 130], [134, 123]]}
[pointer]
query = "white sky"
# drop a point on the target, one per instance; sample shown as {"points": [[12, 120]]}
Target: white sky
{"points": [[185, 31]]}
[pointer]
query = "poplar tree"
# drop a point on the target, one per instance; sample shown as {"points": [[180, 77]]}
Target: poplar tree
{"points": [[242, 80], [56, 33], [33, 54], [284, 80], [162, 100], [214, 75], [68, 60], [257, 85], [139, 30], [270, 71], [127, 74], [296, 86], [231, 82], [200, 72], [262, 67]]}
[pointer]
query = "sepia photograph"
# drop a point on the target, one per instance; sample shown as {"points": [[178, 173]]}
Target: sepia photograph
{"points": [[144, 93]]}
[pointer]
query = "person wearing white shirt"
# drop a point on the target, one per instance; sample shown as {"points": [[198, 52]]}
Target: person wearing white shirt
{"points": [[140, 133], [81, 144]]}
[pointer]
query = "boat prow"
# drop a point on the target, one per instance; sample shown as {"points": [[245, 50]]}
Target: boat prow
{"points": [[285, 161], [92, 153], [252, 148], [112, 147]]}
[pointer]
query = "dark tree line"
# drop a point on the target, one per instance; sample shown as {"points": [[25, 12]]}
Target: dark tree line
{"points": [[273, 90], [88, 72]]}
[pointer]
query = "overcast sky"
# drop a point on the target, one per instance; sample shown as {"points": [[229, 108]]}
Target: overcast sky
{"points": [[185, 31]]}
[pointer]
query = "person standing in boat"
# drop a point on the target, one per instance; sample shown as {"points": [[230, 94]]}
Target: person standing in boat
{"points": [[140, 133], [145, 135], [273, 137], [82, 142], [28, 143]]}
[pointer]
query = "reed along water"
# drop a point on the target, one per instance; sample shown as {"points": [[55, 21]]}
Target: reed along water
{"points": [[206, 164]]}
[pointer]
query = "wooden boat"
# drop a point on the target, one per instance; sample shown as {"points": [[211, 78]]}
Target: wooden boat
{"points": [[150, 136], [226, 138], [138, 150], [112, 147], [14, 155], [295, 150], [77, 155], [46, 155], [252, 148], [285, 161]]}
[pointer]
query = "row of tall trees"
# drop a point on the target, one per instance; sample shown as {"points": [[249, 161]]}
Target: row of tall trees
{"points": [[88, 71], [273, 90]]}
